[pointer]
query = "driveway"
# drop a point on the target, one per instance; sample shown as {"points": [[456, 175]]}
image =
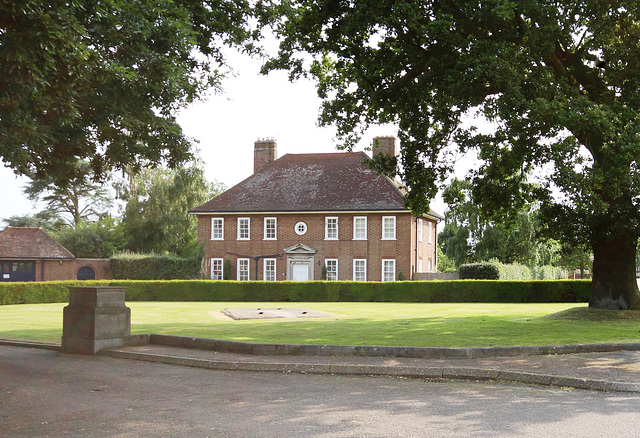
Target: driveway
{"points": [[46, 393]]}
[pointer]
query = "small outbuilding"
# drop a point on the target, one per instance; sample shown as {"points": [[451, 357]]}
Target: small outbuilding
{"points": [[30, 254]]}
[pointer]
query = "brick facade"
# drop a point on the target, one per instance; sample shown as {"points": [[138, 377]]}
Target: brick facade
{"points": [[405, 249], [312, 189]]}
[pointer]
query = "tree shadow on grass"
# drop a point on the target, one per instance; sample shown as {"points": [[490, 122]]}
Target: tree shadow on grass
{"points": [[593, 314]]}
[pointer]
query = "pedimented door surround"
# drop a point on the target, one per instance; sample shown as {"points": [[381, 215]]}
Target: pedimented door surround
{"points": [[299, 256]]}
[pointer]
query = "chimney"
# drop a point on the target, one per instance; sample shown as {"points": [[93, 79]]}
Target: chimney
{"points": [[384, 145], [265, 151]]}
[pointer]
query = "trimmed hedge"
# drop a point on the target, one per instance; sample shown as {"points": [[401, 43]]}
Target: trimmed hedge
{"points": [[494, 270], [154, 267], [479, 271], [35, 292], [459, 291]]}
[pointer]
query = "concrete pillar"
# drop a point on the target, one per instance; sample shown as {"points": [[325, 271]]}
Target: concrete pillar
{"points": [[95, 318]]}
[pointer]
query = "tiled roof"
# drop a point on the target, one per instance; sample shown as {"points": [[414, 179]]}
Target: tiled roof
{"points": [[30, 243], [310, 182]]}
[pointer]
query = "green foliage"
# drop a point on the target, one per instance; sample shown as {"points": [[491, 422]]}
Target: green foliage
{"points": [[513, 271], [468, 237], [323, 273], [546, 94], [35, 292], [102, 80], [227, 269], [400, 276], [494, 270], [130, 266], [548, 273], [156, 216], [460, 291], [48, 220], [576, 257], [98, 239], [479, 271], [78, 199], [444, 262]]}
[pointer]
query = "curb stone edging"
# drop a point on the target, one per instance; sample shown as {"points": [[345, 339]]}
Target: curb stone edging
{"points": [[378, 351], [28, 344], [446, 373]]}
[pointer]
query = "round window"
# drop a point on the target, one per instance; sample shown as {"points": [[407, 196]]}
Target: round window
{"points": [[301, 228]]}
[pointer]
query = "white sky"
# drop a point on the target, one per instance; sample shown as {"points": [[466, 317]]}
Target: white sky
{"points": [[252, 106]]}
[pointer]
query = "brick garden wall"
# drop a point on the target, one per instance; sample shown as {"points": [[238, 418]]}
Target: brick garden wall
{"points": [[60, 270]]}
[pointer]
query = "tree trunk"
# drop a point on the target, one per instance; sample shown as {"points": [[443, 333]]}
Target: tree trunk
{"points": [[614, 284]]}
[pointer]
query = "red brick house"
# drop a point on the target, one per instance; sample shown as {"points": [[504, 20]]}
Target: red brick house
{"points": [[30, 254], [301, 212]]}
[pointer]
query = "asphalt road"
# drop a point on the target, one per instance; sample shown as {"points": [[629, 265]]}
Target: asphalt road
{"points": [[45, 393]]}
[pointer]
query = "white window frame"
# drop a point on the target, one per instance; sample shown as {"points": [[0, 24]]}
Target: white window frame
{"points": [[269, 274], [356, 219], [267, 229], [420, 265], [363, 272], [384, 228], [213, 228], [243, 274], [241, 228], [330, 264], [327, 229], [420, 229], [385, 271], [429, 265], [217, 269], [430, 231]]}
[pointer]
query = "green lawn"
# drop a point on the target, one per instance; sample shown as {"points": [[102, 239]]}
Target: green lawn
{"points": [[395, 324]]}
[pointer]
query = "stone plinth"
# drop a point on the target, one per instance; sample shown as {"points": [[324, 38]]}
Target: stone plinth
{"points": [[95, 318]]}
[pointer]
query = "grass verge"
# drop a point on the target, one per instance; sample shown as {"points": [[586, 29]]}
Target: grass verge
{"points": [[388, 324]]}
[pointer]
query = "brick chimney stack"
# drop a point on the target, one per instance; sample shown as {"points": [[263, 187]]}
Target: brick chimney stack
{"points": [[265, 152], [384, 145]]}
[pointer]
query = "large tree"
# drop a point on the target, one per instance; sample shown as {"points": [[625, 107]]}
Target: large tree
{"points": [[156, 216], [558, 82], [101, 80], [80, 199]]}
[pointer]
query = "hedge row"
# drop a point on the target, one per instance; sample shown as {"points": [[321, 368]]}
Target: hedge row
{"points": [[479, 271], [154, 267], [35, 292], [494, 270], [489, 291]]}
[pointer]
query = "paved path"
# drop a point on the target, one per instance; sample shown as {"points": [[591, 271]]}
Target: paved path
{"points": [[611, 371], [45, 393], [604, 371]]}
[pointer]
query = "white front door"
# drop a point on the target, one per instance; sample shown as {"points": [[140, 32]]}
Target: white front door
{"points": [[300, 271]]}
